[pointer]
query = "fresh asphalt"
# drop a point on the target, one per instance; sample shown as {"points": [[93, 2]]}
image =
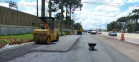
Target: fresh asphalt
{"points": [[55, 46], [78, 53]]}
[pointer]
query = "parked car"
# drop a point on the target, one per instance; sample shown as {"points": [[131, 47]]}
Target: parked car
{"points": [[99, 32], [94, 32], [112, 33]]}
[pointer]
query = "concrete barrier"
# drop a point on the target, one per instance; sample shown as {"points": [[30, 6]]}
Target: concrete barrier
{"points": [[14, 29], [128, 35]]}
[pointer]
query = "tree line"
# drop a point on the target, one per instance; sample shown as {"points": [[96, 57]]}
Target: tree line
{"points": [[129, 23], [68, 6]]}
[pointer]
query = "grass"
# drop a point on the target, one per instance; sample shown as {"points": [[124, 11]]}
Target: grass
{"points": [[5, 39], [64, 33], [18, 36]]}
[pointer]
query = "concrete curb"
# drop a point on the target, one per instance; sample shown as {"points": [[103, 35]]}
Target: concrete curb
{"points": [[16, 46]]}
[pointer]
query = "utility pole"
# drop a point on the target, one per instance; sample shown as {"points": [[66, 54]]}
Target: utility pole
{"points": [[37, 8], [50, 10], [43, 9]]}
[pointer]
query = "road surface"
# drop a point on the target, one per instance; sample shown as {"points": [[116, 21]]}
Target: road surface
{"points": [[78, 53]]}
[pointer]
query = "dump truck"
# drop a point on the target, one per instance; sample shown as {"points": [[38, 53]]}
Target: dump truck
{"points": [[79, 31], [47, 33]]}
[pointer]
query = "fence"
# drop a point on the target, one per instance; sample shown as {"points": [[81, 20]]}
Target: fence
{"points": [[16, 22]]}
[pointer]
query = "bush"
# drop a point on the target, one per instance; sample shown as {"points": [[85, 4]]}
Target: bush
{"points": [[68, 32], [64, 33]]}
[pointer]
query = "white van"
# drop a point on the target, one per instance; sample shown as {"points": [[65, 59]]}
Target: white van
{"points": [[89, 31], [94, 32]]}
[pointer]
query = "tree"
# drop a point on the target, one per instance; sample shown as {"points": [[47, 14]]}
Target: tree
{"points": [[77, 25], [73, 4], [123, 20], [112, 26], [57, 16], [67, 21], [61, 16], [136, 16], [130, 27]]}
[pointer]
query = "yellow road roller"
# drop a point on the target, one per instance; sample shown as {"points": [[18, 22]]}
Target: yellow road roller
{"points": [[79, 31], [47, 33]]}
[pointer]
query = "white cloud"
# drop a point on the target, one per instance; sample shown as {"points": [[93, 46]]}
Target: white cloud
{"points": [[28, 7], [100, 15], [31, 7], [91, 15], [125, 13], [131, 1], [4, 4]]}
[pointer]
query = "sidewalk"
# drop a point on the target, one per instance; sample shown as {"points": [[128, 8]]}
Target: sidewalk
{"points": [[127, 39]]}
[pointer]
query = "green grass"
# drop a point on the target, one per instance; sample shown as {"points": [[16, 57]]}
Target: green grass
{"points": [[18, 36], [64, 33]]}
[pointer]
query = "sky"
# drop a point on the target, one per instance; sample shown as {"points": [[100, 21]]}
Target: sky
{"points": [[94, 13]]}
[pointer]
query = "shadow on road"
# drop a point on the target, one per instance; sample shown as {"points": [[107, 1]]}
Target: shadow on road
{"points": [[93, 49], [52, 43]]}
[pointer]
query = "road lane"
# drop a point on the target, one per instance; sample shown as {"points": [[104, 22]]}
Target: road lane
{"points": [[79, 53]]}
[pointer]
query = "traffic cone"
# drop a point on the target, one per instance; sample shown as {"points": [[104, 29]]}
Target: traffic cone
{"points": [[70, 32], [122, 36]]}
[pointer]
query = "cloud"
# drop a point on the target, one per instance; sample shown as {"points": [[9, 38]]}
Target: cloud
{"points": [[92, 15], [131, 1], [99, 16], [31, 7], [125, 13], [4, 4], [28, 7]]}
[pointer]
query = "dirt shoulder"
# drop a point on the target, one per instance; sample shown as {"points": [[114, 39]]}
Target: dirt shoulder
{"points": [[128, 49]]}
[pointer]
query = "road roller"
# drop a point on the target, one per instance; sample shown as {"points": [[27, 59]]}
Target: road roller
{"points": [[47, 33], [79, 31]]}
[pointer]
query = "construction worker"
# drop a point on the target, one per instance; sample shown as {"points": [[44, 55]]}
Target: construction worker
{"points": [[45, 24]]}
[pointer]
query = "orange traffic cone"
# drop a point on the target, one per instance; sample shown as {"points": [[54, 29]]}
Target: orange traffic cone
{"points": [[70, 32], [122, 36]]}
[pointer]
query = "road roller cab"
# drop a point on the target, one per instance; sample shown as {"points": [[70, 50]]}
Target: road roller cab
{"points": [[47, 33]]}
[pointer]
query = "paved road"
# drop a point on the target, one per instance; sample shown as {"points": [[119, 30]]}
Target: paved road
{"points": [[79, 53], [64, 44]]}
